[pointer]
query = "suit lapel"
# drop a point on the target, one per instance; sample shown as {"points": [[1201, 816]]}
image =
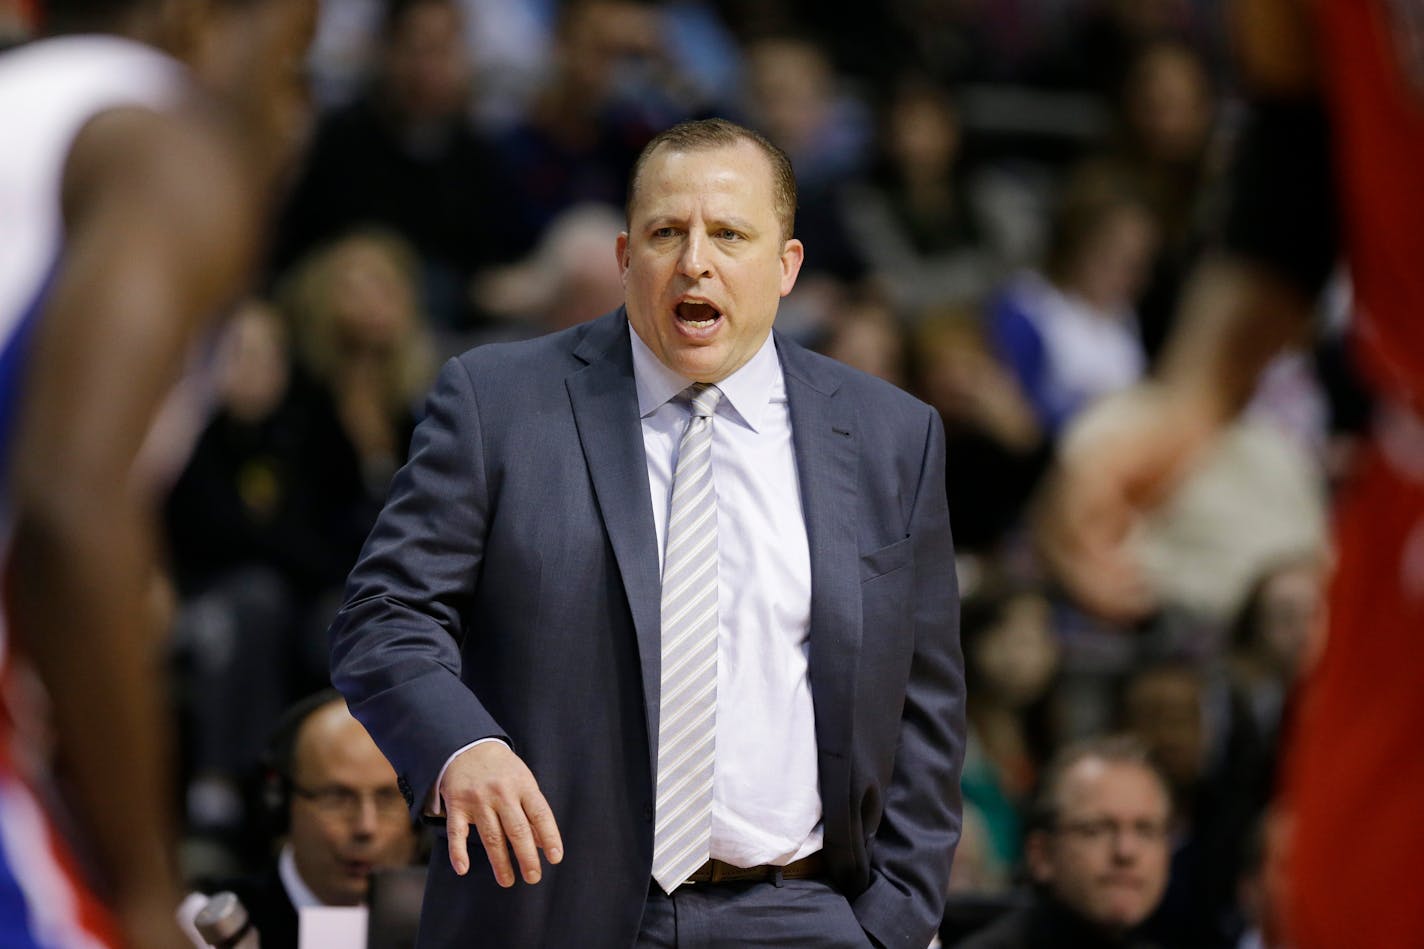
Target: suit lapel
{"points": [[823, 432], [605, 407]]}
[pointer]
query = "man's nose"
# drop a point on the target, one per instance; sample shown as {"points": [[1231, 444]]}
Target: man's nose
{"points": [[366, 817], [693, 261], [1126, 845]]}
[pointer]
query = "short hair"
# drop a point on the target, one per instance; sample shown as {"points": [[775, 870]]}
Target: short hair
{"points": [[1044, 812], [709, 134]]}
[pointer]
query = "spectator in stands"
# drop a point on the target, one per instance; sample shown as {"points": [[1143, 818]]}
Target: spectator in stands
{"points": [[362, 338], [1070, 333], [606, 95], [340, 817], [795, 98], [567, 279], [405, 157], [1011, 656], [1207, 746], [1276, 637], [1094, 49], [254, 490], [1097, 852], [992, 433], [913, 218], [1167, 108], [863, 332]]}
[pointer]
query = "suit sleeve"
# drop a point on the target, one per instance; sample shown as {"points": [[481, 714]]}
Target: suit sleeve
{"points": [[396, 642], [915, 842]]}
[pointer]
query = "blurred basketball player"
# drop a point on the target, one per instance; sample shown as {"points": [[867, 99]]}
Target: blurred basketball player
{"points": [[140, 143], [1333, 162]]}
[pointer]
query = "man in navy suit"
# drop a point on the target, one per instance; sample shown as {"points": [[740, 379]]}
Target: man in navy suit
{"points": [[672, 600]]}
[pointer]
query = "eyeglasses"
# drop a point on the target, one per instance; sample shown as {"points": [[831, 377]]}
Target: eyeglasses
{"points": [[1097, 831], [338, 801]]}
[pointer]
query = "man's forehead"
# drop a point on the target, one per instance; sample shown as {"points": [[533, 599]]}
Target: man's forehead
{"points": [[1095, 784], [670, 174]]}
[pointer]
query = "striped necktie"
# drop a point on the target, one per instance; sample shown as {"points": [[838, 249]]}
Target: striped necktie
{"points": [[687, 716]]}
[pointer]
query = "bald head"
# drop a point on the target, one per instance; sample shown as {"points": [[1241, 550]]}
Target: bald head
{"points": [[347, 815], [329, 735]]}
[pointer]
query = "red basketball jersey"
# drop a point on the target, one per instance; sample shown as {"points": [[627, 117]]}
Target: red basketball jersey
{"points": [[1374, 70]]}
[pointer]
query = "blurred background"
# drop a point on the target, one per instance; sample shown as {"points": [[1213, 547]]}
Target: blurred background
{"points": [[999, 201]]}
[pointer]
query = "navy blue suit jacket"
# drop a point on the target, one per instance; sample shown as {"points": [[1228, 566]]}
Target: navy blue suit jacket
{"points": [[510, 588]]}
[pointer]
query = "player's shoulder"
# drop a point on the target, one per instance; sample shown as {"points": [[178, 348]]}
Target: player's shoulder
{"points": [[181, 163]]}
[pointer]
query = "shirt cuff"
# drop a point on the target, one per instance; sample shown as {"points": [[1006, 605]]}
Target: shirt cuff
{"points": [[434, 806]]}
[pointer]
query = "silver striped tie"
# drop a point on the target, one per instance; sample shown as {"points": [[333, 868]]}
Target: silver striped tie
{"points": [[687, 716]]}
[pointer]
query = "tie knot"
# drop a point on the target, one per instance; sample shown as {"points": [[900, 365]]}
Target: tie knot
{"points": [[704, 397]]}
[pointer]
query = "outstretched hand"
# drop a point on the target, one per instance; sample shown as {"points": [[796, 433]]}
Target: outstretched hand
{"points": [[1120, 458], [488, 787]]}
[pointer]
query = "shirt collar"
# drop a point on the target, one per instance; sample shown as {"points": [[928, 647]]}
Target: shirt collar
{"points": [[297, 890], [747, 391]]}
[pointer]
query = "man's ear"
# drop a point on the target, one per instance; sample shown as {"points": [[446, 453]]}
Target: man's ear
{"points": [[622, 248], [792, 256]]}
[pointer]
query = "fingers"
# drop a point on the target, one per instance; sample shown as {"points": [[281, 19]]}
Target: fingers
{"points": [[457, 830], [546, 831], [492, 836], [522, 826], [488, 791], [521, 840]]}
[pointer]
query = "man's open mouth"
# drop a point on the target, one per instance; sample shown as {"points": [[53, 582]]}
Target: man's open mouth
{"points": [[697, 315]]}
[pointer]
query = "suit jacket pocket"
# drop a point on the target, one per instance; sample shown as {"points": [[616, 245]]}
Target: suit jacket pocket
{"points": [[887, 559]]}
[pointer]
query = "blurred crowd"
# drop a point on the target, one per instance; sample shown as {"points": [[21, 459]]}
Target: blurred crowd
{"points": [[999, 202]]}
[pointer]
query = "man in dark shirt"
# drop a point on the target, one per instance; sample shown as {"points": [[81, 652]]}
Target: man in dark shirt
{"points": [[345, 818], [1098, 852]]}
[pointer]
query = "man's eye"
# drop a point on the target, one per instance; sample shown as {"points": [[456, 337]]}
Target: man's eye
{"points": [[665, 232], [338, 798], [727, 234]]}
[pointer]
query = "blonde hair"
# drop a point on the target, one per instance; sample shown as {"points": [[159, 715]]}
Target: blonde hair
{"points": [[309, 297]]}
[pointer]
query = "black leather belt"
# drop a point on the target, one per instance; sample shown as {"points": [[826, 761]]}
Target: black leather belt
{"points": [[715, 871]]}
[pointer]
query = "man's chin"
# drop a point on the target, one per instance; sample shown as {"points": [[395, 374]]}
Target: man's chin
{"points": [[1120, 918], [352, 895], [700, 364]]}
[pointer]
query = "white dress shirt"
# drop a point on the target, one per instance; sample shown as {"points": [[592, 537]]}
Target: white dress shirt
{"points": [[766, 803]]}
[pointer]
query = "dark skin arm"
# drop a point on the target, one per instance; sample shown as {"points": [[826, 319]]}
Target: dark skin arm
{"points": [[160, 231]]}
